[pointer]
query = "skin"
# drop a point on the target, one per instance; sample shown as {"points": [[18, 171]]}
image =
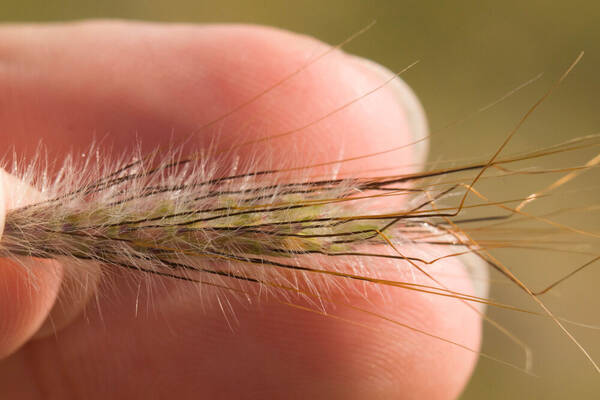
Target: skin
{"points": [[117, 83]]}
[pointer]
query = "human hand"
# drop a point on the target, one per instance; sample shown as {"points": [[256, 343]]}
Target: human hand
{"points": [[68, 84]]}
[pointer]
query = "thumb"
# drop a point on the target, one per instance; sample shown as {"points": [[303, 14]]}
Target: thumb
{"points": [[28, 286]]}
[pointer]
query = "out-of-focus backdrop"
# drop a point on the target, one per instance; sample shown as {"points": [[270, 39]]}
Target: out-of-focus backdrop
{"points": [[472, 53]]}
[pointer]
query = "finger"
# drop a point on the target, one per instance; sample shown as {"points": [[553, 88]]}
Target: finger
{"points": [[178, 79], [119, 82], [28, 287]]}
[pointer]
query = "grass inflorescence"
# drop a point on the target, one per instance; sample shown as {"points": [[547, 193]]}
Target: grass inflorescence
{"points": [[187, 218]]}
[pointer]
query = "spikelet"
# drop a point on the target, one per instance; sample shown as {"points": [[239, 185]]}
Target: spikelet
{"points": [[188, 218], [183, 218]]}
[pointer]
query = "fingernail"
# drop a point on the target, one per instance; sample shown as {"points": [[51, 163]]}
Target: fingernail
{"points": [[408, 100], [478, 270]]}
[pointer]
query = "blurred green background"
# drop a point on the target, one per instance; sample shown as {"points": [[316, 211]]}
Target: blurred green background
{"points": [[471, 52]]}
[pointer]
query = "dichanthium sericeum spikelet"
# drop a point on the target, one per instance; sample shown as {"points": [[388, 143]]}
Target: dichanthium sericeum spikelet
{"points": [[179, 217]]}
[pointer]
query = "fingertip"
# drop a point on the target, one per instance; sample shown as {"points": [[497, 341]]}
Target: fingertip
{"points": [[27, 293], [373, 341], [424, 345], [80, 282], [28, 286], [338, 105]]}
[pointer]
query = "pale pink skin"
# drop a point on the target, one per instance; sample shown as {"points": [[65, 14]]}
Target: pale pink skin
{"points": [[69, 84]]}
